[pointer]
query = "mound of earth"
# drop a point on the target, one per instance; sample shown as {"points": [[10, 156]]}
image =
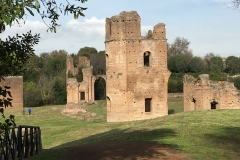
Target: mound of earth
{"points": [[80, 111], [123, 150]]}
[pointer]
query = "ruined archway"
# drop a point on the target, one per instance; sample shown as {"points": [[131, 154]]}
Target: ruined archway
{"points": [[100, 89]]}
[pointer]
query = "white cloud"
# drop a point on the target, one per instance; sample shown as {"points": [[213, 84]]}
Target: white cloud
{"points": [[71, 36]]}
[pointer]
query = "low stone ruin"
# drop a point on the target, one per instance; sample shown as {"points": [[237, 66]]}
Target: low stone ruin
{"points": [[80, 111], [204, 94]]}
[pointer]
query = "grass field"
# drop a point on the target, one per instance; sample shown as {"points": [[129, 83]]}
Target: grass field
{"points": [[212, 134]]}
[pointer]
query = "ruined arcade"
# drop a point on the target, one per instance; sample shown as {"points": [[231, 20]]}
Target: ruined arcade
{"points": [[136, 69], [80, 91]]}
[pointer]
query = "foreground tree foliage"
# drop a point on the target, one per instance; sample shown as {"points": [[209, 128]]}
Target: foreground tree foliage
{"points": [[16, 50], [235, 4]]}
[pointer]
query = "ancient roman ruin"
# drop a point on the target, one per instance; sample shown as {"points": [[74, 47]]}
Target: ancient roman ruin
{"points": [[136, 76], [81, 91], [16, 84], [136, 69], [204, 94]]}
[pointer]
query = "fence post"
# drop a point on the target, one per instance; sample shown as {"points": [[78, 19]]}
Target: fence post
{"points": [[19, 139]]}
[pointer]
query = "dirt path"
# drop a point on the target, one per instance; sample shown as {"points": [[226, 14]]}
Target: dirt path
{"points": [[123, 150]]}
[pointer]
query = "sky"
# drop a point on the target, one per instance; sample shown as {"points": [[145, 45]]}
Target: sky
{"points": [[210, 26]]}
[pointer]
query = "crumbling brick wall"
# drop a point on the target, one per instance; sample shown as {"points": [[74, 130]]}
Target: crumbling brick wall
{"points": [[80, 91], [136, 69], [204, 94], [16, 84]]}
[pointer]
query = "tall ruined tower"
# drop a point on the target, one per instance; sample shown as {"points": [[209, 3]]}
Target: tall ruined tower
{"points": [[136, 69]]}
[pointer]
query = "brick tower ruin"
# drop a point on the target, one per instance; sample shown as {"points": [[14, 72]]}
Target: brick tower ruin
{"points": [[136, 69]]}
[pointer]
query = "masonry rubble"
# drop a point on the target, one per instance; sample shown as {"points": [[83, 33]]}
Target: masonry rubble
{"points": [[204, 94]]}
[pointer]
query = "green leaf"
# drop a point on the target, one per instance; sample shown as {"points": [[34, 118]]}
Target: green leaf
{"points": [[75, 16], [9, 93], [37, 5], [6, 19], [11, 116], [30, 11], [1, 110]]}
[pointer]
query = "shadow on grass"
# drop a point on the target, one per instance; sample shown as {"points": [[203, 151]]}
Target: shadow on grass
{"points": [[114, 144], [227, 139]]}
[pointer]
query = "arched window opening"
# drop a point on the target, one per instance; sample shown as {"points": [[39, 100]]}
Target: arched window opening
{"points": [[100, 89], [146, 59]]}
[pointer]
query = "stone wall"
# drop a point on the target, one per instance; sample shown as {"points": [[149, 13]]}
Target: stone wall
{"points": [[80, 91], [204, 94], [16, 84], [136, 69]]}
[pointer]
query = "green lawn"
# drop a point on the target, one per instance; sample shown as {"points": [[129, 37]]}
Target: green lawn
{"points": [[213, 134]]}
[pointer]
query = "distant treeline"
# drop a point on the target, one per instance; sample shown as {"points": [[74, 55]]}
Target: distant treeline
{"points": [[45, 75], [181, 61]]}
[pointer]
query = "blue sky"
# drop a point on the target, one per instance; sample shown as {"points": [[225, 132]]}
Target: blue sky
{"points": [[210, 25]]}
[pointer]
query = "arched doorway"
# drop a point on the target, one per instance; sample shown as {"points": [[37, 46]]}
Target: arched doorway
{"points": [[100, 89], [214, 104]]}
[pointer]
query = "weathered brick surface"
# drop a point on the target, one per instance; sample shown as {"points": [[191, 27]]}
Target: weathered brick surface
{"points": [[200, 93], [75, 88], [129, 81], [16, 84]]}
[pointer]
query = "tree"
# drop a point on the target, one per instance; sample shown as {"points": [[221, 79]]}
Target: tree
{"points": [[236, 81], [55, 63], [32, 95], [179, 63], [45, 84], [98, 61], [208, 56], [87, 51], [216, 64], [16, 50], [172, 64], [79, 75], [59, 90], [179, 46], [232, 65], [196, 65], [182, 62], [32, 69]]}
